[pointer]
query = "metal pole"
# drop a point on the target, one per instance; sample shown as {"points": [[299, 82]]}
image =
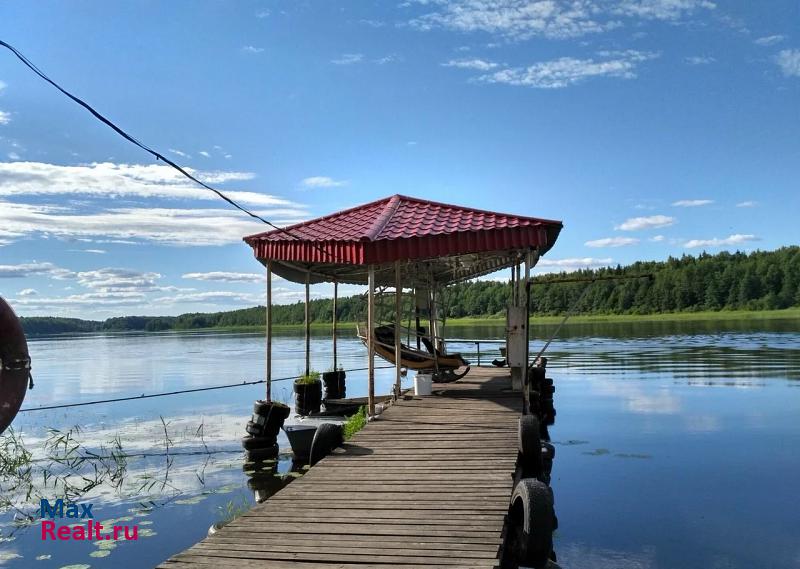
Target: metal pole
{"points": [[433, 326], [269, 332], [371, 340], [333, 318], [308, 326], [397, 352]]}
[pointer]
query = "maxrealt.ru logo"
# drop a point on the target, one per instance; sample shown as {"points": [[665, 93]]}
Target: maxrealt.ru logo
{"points": [[90, 531]]}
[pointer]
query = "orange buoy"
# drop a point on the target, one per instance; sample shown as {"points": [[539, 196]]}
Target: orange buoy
{"points": [[15, 365]]}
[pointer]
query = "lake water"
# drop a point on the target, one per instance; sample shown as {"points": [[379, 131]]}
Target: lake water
{"points": [[677, 445]]}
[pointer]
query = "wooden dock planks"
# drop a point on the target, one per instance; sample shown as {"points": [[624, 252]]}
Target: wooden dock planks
{"points": [[426, 484]]}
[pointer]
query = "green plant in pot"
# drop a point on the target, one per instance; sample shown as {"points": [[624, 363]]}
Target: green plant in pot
{"points": [[308, 393], [334, 380]]}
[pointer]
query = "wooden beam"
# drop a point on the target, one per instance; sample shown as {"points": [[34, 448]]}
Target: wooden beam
{"points": [[371, 340], [397, 351], [308, 326], [268, 361], [333, 318]]}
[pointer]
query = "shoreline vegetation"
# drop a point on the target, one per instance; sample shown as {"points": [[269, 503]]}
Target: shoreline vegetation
{"points": [[762, 285]]}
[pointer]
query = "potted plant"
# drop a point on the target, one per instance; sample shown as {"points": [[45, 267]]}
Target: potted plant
{"points": [[334, 380], [308, 393]]}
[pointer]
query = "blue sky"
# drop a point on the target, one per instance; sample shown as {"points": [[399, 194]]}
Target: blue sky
{"points": [[650, 127]]}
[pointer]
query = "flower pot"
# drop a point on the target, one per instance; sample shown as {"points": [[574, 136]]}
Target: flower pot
{"points": [[307, 397], [334, 384]]}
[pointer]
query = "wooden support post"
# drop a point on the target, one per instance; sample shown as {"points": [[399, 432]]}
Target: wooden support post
{"points": [[525, 300], [268, 361], [397, 351], [308, 325], [434, 327], [371, 340], [333, 318]]}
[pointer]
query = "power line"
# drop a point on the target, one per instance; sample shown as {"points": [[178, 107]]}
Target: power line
{"points": [[158, 155], [167, 393]]}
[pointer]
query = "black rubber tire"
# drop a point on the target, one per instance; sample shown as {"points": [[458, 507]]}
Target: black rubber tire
{"points": [[548, 450], [261, 454], [532, 510], [261, 407], [251, 442], [530, 444], [254, 429], [328, 437]]}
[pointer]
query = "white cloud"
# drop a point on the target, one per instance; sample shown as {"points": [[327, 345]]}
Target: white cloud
{"points": [[3, 85], [572, 264], [26, 270], [372, 23], [348, 59], [322, 182], [692, 203], [96, 251], [699, 60], [612, 242], [28, 292], [789, 62], [262, 14], [204, 153], [769, 40], [159, 225], [523, 19], [650, 222], [109, 180], [252, 49], [227, 277], [210, 297], [388, 59], [180, 153], [748, 203], [657, 238], [736, 239], [479, 64], [5, 117], [111, 280], [566, 71], [668, 10]]}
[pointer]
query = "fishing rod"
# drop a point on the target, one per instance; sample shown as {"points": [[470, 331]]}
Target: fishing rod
{"points": [[577, 301]]}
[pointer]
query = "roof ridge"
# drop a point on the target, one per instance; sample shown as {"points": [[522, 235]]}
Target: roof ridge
{"points": [[381, 222]]}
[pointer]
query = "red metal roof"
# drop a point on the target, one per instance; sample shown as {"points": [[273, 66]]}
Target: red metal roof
{"points": [[402, 228]]}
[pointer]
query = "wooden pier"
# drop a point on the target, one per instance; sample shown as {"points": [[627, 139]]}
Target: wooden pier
{"points": [[427, 483]]}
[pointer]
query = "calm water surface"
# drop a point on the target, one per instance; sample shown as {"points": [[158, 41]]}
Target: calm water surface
{"points": [[678, 445]]}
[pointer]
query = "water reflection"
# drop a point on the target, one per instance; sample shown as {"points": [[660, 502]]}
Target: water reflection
{"points": [[651, 469]]}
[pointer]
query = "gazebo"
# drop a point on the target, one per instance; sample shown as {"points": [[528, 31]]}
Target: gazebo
{"points": [[406, 243]]}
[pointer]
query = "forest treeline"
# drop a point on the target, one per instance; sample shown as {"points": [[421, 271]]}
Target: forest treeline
{"points": [[761, 280]]}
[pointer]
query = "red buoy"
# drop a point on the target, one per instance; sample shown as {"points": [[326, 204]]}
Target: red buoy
{"points": [[15, 365]]}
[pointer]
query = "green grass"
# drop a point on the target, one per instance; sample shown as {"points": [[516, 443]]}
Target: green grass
{"points": [[308, 379], [355, 423]]}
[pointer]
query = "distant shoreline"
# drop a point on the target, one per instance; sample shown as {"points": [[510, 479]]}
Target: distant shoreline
{"points": [[536, 321]]}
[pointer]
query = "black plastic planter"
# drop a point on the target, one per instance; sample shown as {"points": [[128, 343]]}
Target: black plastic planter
{"points": [[307, 397], [335, 386]]}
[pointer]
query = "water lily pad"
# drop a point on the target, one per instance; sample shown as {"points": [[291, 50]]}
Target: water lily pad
{"points": [[100, 553], [43, 557], [9, 555], [145, 523], [105, 544], [7, 539], [191, 501], [227, 489], [146, 532], [113, 521], [76, 566]]}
